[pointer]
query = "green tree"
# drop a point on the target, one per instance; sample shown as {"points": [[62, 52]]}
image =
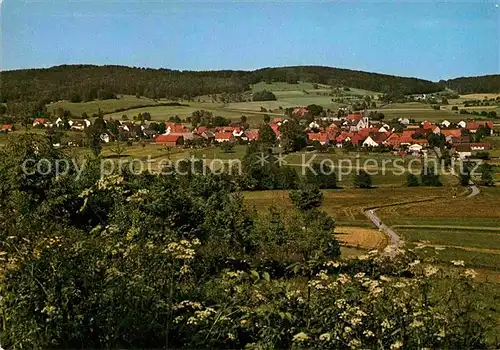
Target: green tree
{"points": [[465, 175], [267, 137], [263, 95], [430, 177], [293, 137], [315, 110], [487, 174], [306, 197], [363, 180], [412, 180]]}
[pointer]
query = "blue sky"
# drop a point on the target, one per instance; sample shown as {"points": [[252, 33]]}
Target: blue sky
{"points": [[422, 39]]}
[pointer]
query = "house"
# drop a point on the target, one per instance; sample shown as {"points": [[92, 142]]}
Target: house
{"points": [[472, 127], [321, 137], [175, 128], [185, 135], [300, 111], [426, 125], [357, 139], [252, 134], [462, 124], [463, 151], [458, 140], [238, 132], [169, 140], [369, 142], [436, 130], [415, 148], [107, 137], [150, 134], [59, 122], [39, 122], [480, 146], [404, 121], [356, 124], [276, 129], [7, 128], [313, 125], [421, 142], [445, 123], [208, 135], [449, 134], [383, 129], [224, 136], [277, 120], [200, 130], [80, 126], [394, 140]]}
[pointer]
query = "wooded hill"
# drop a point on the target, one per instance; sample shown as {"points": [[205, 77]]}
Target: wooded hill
{"points": [[465, 85], [88, 82]]}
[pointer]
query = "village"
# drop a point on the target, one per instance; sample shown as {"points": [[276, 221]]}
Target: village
{"points": [[353, 131]]}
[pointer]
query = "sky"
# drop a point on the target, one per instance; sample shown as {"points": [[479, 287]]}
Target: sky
{"points": [[425, 39]]}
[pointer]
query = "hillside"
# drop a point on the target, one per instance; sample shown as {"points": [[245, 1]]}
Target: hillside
{"points": [[465, 85], [88, 82]]}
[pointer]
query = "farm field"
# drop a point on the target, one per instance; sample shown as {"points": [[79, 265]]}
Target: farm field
{"points": [[462, 228], [346, 205], [124, 101]]}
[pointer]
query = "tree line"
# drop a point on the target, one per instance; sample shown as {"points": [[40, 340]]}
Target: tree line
{"points": [[88, 82]]}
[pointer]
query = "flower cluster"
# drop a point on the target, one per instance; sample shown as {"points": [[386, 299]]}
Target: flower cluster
{"points": [[182, 250]]}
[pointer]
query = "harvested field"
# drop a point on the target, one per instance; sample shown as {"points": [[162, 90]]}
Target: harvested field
{"points": [[360, 237]]}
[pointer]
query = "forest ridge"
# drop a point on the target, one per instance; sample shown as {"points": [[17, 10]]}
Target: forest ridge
{"points": [[91, 81]]}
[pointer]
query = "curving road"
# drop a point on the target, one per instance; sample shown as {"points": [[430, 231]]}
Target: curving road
{"points": [[395, 241], [474, 190]]}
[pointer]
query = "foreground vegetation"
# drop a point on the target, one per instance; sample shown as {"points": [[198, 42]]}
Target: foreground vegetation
{"points": [[126, 261]]}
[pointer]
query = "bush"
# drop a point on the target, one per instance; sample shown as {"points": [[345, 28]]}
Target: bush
{"points": [[412, 180], [363, 180], [263, 95]]}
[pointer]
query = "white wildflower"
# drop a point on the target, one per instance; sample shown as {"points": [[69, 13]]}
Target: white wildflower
{"points": [[359, 275], [416, 324], [300, 337], [354, 343], [470, 273], [368, 334], [385, 278], [414, 263], [397, 345], [325, 337], [430, 270]]}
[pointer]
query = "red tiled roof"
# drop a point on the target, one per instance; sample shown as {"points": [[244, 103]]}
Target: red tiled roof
{"points": [[300, 111], [318, 136], [486, 145], [176, 127], [354, 116], [276, 120], [427, 125], [39, 121], [394, 139], [222, 129], [223, 135], [168, 138], [7, 127], [356, 139], [451, 132], [419, 141], [472, 126], [201, 129], [252, 134]]}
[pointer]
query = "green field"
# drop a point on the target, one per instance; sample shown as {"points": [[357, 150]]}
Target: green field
{"points": [[124, 101]]}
